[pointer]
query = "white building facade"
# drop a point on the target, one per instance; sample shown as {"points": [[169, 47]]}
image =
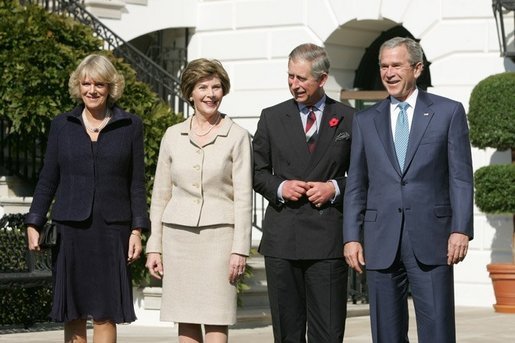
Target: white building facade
{"points": [[252, 38]]}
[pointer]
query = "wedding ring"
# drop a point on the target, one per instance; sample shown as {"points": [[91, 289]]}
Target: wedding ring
{"points": [[318, 205]]}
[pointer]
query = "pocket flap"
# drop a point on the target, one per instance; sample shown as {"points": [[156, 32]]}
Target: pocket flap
{"points": [[370, 215], [443, 211]]}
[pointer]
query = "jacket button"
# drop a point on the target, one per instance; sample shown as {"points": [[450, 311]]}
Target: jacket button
{"points": [[403, 183], [399, 209]]}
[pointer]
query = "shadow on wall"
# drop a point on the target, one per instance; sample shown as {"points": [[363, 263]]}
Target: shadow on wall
{"points": [[502, 224], [501, 242], [509, 65]]}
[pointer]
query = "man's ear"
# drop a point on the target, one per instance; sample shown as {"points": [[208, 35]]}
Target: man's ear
{"points": [[322, 80]]}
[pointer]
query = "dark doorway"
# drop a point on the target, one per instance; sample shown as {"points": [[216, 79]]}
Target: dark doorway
{"points": [[367, 75]]}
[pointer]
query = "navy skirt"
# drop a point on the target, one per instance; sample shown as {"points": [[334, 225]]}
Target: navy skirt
{"points": [[91, 278]]}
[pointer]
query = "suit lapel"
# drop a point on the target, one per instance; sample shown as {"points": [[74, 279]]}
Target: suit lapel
{"points": [[293, 130], [384, 131], [421, 118]]}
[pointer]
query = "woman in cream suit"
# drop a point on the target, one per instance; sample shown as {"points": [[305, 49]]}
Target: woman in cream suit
{"points": [[201, 210]]}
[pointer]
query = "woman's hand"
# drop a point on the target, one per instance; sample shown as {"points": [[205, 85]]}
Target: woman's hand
{"points": [[135, 247], [236, 267], [33, 238], [154, 265]]}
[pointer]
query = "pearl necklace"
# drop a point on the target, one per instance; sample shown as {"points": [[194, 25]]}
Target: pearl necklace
{"points": [[202, 134], [104, 122]]}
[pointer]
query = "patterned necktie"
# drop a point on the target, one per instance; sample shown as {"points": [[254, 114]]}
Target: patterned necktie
{"points": [[311, 130], [402, 133]]}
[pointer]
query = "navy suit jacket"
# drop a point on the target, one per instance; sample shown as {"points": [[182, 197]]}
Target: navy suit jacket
{"points": [[298, 230], [434, 193], [72, 174]]}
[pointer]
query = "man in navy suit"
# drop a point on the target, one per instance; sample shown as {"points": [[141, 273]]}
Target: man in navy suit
{"points": [[301, 156], [411, 204]]}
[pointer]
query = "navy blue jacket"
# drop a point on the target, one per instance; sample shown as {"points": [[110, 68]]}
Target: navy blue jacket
{"points": [[72, 174]]}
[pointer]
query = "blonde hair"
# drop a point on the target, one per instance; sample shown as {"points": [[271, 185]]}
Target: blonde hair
{"points": [[99, 69], [200, 69]]}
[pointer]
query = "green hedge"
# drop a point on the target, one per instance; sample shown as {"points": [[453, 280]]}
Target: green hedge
{"points": [[495, 188], [19, 305], [492, 112]]}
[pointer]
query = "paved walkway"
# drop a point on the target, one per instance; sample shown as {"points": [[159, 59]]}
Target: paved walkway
{"points": [[474, 325]]}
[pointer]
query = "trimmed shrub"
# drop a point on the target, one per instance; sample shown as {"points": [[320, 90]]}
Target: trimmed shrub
{"points": [[492, 112], [495, 188]]}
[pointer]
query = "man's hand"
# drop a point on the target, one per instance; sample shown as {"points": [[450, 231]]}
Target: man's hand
{"points": [[293, 190], [457, 248], [353, 253], [320, 192]]}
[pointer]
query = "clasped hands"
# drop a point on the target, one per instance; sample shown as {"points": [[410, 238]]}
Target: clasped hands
{"points": [[318, 193]]}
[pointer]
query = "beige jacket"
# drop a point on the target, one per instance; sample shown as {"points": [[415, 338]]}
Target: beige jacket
{"points": [[204, 186]]}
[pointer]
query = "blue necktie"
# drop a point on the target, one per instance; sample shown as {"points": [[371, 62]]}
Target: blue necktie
{"points": [[402, 133]]}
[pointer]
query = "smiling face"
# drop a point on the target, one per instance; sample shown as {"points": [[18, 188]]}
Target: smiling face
{"points": [[94, 95], [398, 74], [303, 86], [207, 96]]}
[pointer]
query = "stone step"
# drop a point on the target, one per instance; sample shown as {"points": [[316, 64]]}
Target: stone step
{"points": [[253, 317], [15, 195], [13, 186]]}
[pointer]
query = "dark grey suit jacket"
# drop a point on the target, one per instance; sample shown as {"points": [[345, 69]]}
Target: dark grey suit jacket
{"points": [[434, 193], [298, 230], [73, 174]]}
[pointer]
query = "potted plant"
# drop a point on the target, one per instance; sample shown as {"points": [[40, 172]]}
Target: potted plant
{"points": [[492, 124]]}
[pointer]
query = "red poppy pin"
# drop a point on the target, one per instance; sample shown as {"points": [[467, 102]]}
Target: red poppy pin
{"points": [[333, 122]]}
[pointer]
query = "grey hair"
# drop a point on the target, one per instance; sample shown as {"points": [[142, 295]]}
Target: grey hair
{"points": [[312, 53], [416, 55]]}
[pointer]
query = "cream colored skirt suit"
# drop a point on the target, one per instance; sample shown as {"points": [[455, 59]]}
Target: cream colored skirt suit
{"points": [[200, 214]]}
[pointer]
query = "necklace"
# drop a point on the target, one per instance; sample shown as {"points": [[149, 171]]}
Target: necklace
{"points": [[202, 134], [104, 122]]}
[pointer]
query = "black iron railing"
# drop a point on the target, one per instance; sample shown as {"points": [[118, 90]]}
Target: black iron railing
{"points": [[20, 154]]}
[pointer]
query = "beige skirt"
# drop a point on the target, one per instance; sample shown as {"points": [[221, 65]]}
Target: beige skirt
{"points": [[196, 287]]}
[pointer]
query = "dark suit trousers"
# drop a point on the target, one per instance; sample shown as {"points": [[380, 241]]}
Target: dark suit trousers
{"points": [[312, 291], [432, 289]]}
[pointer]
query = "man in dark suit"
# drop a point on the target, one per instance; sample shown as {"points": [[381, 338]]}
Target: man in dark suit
{"points": [[410, 190], [301, 156]]}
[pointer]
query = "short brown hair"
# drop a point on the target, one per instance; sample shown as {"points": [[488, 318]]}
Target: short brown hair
{"points": [[200, 69], [100, 69]]}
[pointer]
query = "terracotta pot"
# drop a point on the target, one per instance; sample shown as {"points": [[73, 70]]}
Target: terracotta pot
{"points": [[503, 279]]}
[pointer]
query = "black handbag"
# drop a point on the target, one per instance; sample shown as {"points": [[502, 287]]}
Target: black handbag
{"points": [[48, 236]]}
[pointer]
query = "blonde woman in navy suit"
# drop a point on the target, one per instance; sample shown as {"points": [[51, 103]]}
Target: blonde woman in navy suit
{"points": [[201, 210], [94, 167]]}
